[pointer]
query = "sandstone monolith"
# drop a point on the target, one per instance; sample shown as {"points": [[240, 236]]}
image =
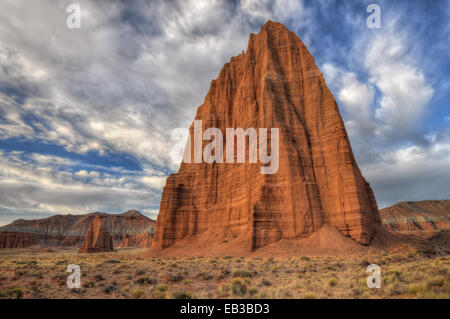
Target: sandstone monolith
{"points": [[232, 206], [97, 239]]}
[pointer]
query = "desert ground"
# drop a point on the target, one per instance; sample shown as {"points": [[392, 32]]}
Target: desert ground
{"points": [[39, 272]]}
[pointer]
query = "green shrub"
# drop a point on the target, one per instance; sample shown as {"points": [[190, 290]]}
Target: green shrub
{"points": [[252, 291], [242, 273], [162, 287], [15, 292], [109, 288], [238, 287], [88, 284], [309, 295], [138, 293], [332, 282], [145, 281], [417, 289], [99, 277], [436, 282], [160, 294], [181, 295]]}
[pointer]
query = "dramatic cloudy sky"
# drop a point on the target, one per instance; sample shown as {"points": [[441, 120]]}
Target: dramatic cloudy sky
{"points": [[86, 114]]}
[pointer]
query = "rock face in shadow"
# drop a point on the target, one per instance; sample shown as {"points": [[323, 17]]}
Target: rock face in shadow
{"points": [[141, 240], [97, 239], [69, 230], [423, 219], [274, 84]]}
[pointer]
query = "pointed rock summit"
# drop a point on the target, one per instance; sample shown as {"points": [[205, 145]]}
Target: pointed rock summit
{"points": [[97, 238], [233, 207]]}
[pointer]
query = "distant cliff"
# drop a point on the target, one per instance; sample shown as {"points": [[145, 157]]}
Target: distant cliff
{"points": [[423, 219], [127, 229]]}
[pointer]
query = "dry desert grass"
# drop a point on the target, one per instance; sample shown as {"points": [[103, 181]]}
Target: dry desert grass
{"points": [[123, 274]]}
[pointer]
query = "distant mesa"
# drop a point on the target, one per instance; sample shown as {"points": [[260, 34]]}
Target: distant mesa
{"points": [[129, 229], [423, 219], [97, 239], [224, 208]]}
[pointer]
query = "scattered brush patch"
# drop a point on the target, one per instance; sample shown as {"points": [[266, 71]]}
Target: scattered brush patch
{"points": [[144, 280], [109, 288], [174, 277], [159, 294], [138, 293], [162, 287], [182, 295], [77, 291], [99, 277], [88, 284], [223, 290], [238, 287], [252, 291], [417, 289], [436, 282], [242, 273], [395, 289], [225, 271], [265, 282], [332, 282], [187, 281], [396, 272], [15, 292], [356, 292], [112, 261], [140, 272], [204, 275], [305, 258], [309, 295]]}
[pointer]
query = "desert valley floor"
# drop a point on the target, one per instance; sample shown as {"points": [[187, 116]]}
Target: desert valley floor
{"points": [[37, 272]]}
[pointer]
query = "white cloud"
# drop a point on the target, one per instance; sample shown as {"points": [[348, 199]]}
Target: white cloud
{"points": [[405, 90], [122, 84], [154, 181], [411, 173], [356, 98], [36, 184]]}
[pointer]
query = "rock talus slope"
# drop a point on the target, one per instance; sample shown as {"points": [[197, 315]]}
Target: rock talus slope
{"points": [[274, 84]]}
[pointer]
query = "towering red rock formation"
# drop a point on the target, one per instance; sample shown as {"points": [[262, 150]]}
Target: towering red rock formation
{"points": [[97, 238], [275, 84], [423, 219]]}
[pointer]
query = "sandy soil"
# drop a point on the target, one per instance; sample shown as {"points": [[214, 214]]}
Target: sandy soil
{"points": [[40, 272]]}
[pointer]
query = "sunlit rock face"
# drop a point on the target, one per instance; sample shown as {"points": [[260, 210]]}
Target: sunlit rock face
{"points": [[274, 84]]}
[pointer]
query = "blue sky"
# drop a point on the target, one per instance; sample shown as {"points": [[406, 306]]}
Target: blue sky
{"points": [[86, 114]]}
